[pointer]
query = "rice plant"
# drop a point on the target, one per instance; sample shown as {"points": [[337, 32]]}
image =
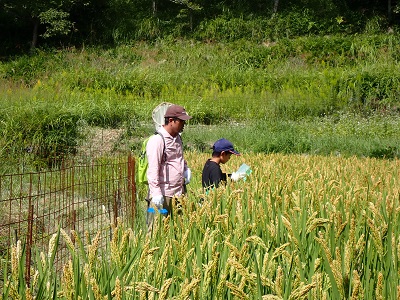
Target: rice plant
{"points": [[299, 227]]}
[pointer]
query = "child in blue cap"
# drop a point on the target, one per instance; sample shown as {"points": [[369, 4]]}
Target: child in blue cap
{"points": [[212, 175]]}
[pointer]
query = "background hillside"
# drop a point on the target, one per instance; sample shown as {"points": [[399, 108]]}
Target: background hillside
{"points": [[311, 77], [317, 95]]}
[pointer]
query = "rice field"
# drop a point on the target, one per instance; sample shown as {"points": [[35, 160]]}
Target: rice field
{"points": [[299, 227]]}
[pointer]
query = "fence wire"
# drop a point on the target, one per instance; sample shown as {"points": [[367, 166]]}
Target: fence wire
{"points": [[87, 198]]}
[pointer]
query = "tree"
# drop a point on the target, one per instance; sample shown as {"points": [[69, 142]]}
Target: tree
{"points": [[191, 6], [52, 15]]}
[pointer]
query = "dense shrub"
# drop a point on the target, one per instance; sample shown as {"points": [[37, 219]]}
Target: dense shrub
{"points": [[46, 135]]}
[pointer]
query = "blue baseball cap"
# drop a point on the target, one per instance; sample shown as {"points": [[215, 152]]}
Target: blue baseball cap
{"points": [[224, 145]]}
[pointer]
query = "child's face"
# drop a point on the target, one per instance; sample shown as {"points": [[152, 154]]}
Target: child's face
{"points": [[225, 156]]}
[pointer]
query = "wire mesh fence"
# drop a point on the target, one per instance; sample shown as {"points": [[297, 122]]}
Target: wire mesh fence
{"points": [[87, 198]]}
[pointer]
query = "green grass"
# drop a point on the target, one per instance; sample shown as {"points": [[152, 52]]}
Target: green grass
{"points": [[332, 94], [343, 135]]}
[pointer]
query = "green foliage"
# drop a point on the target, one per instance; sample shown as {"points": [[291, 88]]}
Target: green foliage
{"points": [[292, 23], [341, 134], [147, 29], [115, 22], [385, 152], [371, 91], [25, 68], [52, 15], [375, 25], [228, 29], [43, 134], [290, 80], [108, 115], [56, 21]]}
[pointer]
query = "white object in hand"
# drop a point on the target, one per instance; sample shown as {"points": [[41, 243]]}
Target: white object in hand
{"points": [[236, 176], [188, 175], [158, 200]]}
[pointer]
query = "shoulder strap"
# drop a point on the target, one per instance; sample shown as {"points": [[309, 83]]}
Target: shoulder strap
{"points": [[180, 137], [164, 156], [164, 153]]}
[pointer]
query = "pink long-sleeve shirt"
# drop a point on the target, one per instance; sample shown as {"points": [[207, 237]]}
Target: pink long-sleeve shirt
{"points": [[165, 177]]}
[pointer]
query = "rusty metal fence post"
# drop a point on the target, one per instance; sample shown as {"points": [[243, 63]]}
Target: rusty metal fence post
{"points": [[132, 186], [29, 235], [29, 246]]}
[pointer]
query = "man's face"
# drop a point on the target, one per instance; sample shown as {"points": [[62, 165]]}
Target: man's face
{"points": [[178, 125]]}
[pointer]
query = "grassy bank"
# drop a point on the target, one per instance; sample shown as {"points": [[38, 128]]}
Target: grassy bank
{"points": [[333, 94]]}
